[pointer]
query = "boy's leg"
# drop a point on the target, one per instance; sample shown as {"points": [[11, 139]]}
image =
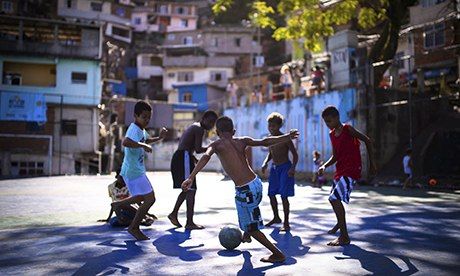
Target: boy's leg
{"points": [[173, 216], [405, 183], [276, 216], [277, 256], [334, 229], [133, 229], [190, 200], [408, 182], [286, 226], [246, 237], [127, 201], [339, 210]]}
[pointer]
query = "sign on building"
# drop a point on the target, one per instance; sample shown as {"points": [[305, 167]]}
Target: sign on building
{"points": [[20, 106]]}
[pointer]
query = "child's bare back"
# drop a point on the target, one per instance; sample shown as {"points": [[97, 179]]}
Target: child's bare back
{"points": [[231, 152]]}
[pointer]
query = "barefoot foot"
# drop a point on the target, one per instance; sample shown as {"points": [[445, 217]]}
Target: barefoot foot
{"points": [[274, 259], [246, 238], [334, 229], [174, 221], [194, 226], [339, 241], [285, 228], [273, 221], [136, 233]]}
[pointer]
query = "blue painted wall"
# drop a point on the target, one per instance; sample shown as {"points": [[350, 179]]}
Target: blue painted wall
{"points": [[303, 114], [199, 94], [88, 93]]}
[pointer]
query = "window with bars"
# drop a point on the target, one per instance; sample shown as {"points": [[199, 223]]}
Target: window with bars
{"points": [[184, 23], [185, 76], [429, 3], [398, 62], [214, 42], [237, 42], [96, 6], [69, 127], [79, 77], [25, 168], [188, 40], [7, 6], [182, 10], [434, 35], [120, 32], [218, 75]]}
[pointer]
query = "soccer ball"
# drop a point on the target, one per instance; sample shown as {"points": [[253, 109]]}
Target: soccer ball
{"points": [[230, 237]]}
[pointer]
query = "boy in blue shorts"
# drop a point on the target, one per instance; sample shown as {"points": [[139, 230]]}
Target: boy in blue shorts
{"points": [[281, 180], [231, 153], [136, 143]]}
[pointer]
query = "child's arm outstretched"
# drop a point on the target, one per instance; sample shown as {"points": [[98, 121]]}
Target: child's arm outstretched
{"points": [[370, 149], [295, 158], [265, 163], [272, 140], [127, 142], [328, 163], [162, 135], [199, 166]]}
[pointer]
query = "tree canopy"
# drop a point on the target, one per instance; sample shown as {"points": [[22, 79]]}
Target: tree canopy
{"points": [[310, 21]]}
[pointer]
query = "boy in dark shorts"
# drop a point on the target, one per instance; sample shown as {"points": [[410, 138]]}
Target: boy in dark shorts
{"points": [[231, 153], [183, 162], [347, 159], [281, 180]]}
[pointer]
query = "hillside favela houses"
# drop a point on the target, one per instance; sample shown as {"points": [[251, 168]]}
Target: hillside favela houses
{"points": [[50, 92], [73, 69]]}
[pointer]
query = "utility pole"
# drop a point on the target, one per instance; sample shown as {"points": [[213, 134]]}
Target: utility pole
{"points": [[60, 131], [410, 39], [410, 104], [258, 57]]}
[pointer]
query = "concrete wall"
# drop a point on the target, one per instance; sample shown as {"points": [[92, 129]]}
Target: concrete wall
{"points": [[303, 114], [146, 71], [88, 93], [82, 9], [87, 136], [176, 24], [224, 37]]}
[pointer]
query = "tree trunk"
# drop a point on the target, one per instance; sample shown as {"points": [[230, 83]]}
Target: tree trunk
{"points": [[386, 46]]}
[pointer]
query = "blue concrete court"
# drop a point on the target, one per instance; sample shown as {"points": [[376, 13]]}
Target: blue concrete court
{"points": [[48, 226]]}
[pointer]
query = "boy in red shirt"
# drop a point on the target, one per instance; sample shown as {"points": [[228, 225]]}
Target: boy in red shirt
{"points": [[346, 155]]}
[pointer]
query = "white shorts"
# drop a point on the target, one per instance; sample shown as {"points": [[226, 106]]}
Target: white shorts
{"points": [[138, 186]]}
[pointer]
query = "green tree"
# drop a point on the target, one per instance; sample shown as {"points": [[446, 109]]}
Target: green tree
{"points": [[312, 20]]}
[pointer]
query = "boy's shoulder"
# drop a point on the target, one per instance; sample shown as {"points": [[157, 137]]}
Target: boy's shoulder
{"points": [[134, 127], [242, 139], [196, 125]]}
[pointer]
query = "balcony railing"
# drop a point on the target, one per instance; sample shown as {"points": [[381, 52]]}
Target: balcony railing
{"points": [[53, 49], [30, 36]]}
